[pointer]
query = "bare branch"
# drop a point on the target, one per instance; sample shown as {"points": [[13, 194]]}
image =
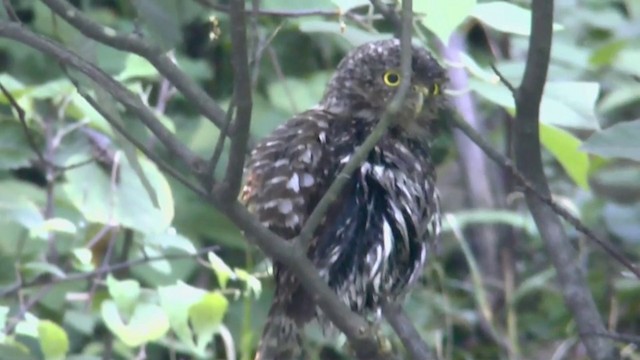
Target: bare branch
{"points": [[242, 96], [528, 159], [131, 43], [410, 337]]}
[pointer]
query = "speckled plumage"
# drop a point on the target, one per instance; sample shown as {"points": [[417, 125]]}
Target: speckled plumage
{"points": [[375, 238]]}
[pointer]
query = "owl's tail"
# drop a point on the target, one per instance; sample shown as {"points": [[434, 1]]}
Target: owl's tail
{"points": [[281, 338]]}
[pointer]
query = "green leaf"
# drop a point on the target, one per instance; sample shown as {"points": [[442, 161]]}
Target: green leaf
{"points": [[177, 308], [40, 267], [566, 149], [296, 5], [137, 67], [22, 211], [4, 311], [14, 350], [253, 284], [489, 216], [28, 326], [532, 283], [83, 259], [627, 60], [147, 323], [15, 151], [162, 266], [293, 95], [221, 269], [505, 17], [206, 316], [125, 293], [353, 35], [625, 95], [58, 225], [623, 221], [159, 18], [443, 17], [617, 141], [570, 104], [53, 340], [170, 240], [125, 202], [606, 54], [346, 5]]}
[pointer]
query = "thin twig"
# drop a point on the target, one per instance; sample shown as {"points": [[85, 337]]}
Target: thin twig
{"points": [[504, 80], [217, 151], [32, 143], [11, 12], [23, 123]]}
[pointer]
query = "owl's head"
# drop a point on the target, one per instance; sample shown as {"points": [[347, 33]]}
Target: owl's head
{"points": [[369, 76]]}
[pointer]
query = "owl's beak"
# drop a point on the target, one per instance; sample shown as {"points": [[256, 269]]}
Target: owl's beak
{"points": [[423, 93]]}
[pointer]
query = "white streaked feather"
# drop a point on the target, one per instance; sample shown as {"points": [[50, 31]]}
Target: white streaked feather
{"points": [[294, 183]]}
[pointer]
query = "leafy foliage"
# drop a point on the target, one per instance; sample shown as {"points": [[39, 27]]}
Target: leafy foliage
{"points": [[112, 256]]}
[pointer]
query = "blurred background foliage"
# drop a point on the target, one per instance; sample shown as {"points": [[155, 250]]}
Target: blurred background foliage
{"points": [[191, 287]]}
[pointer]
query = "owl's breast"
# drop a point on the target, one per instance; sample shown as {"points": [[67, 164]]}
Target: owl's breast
{"points": [[375, 239]]}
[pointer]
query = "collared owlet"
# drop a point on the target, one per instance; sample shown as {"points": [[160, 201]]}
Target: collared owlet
{"points": [[375, 237]]}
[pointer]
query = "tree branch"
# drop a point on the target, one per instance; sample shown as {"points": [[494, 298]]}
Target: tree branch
{"points": [[242, 96], [131, 43], [407, 333], [528, 159], [123, 95], [357, 330]]}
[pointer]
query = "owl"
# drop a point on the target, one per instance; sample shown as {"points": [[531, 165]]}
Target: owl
{"points": [[374, 240]]}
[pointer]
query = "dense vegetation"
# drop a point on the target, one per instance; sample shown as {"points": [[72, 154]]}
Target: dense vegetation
{"points": [[105, 255]]}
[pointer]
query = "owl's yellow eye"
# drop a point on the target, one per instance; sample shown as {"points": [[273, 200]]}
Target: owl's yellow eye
{"points": [[435, 90], [391, 78]]}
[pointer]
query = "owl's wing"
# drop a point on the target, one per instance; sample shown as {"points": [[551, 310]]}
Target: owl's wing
{"points": [[287, 173]]}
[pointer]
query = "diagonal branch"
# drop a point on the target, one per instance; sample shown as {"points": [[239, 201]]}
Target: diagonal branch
{"points": [[361, 337], [528, 159], [508, 165], [155, 55], [123, 95], [410, 337]]}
